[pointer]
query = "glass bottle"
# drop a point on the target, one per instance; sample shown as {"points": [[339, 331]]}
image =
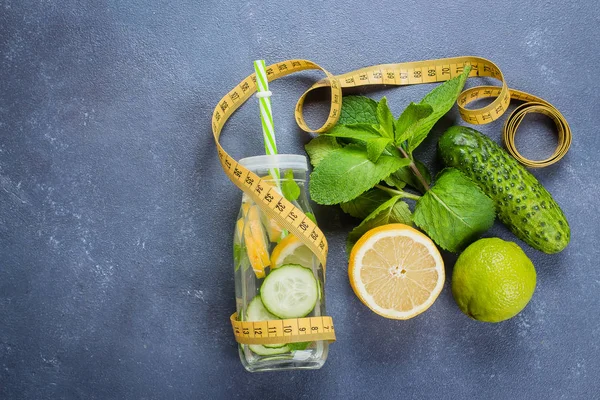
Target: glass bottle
{"points": [[259, 241]]}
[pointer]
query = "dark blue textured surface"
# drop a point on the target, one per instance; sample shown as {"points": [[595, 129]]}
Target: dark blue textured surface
{"points": [[116, 221]]}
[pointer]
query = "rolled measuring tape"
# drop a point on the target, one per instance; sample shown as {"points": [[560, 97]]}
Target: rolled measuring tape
{"points": [[539, 106], [294, 220]]}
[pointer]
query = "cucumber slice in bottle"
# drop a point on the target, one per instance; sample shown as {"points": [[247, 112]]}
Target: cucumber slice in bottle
{"points": [[256, 311], [290, 291], [320, 289], [266, 351]]}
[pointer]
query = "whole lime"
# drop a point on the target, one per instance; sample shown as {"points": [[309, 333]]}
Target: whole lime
{"points": [[493, 280]]}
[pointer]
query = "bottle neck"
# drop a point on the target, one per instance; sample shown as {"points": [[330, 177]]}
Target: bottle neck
{"points": [[285, 175]]}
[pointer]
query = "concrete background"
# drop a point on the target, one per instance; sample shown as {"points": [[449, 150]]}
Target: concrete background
{"points": [[116, 222]]}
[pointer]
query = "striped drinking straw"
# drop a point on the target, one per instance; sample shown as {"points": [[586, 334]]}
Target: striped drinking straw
{"points": [[266, 116]]}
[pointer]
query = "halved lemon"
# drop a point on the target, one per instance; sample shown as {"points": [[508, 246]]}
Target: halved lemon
{"points": [[396, 271], [291, 251]]}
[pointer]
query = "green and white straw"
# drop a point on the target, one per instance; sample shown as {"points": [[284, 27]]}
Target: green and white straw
{"points": [[266, 116]]}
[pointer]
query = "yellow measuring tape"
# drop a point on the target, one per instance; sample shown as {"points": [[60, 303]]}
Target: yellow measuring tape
{"points": [[293, 219], [283, 330]]}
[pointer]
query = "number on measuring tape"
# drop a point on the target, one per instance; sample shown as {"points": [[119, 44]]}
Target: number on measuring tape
{"points": [[288, 330]]}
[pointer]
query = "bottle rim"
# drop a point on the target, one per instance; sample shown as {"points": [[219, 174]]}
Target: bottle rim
{"points": [[281, 161]]}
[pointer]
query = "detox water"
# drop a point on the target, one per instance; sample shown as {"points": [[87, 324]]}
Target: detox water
{"points": [[276, 276]]}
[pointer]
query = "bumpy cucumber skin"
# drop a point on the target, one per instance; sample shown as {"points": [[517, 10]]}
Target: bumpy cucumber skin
{"points": [[522, 203]]}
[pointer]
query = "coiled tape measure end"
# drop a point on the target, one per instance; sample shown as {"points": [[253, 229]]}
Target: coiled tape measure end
{"points": [[514, 120]]}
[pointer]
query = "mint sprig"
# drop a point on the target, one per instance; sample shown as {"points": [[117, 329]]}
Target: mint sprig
{"points": [[238, 254], [289, 187], [365, 162]]}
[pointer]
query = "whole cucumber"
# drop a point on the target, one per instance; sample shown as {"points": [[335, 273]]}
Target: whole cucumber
{"points": [[522, 203]]}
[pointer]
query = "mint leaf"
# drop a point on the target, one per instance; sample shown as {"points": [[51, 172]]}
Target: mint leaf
{"points": [[392, 211], [385, 118], [365, 133], [311, 216], [366, 203], [319, 147], [347, 172], [454, 212], [393, 181], [289, 187], [406, 124], [406, 175], [445, 94], [358, 110], [441, 99], [376, 147], [238, 254], [362, 132], [298, 346]]}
